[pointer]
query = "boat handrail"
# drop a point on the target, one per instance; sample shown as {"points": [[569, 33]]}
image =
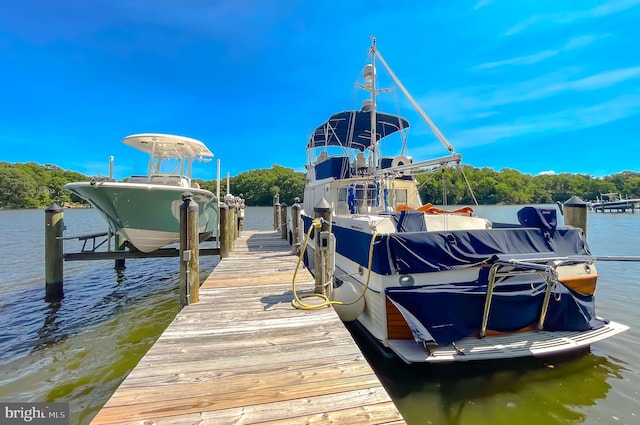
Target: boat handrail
{"points": [[545, 266], [422, 164], [569, 258], [547, 271]]}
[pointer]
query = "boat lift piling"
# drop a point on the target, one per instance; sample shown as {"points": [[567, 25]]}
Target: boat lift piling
{"points": [[189, 251], [53, 252], [118, 247]]}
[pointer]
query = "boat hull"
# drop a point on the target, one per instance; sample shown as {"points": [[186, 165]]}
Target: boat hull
{"points": [[147, 216]]}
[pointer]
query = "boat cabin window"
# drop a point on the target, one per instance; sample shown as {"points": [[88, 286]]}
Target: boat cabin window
{"points": [[401, 196], [342, 200], [366, 196]]}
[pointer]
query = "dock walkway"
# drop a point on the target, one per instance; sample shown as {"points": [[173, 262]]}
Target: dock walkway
{"points": [[244, 355]]}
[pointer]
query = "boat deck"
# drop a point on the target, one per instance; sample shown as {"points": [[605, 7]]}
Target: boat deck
{"points": [[244, 355]]}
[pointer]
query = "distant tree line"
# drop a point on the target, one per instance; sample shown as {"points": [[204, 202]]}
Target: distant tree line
{"points": [[512, 187], [32, 185], [257, 187]]}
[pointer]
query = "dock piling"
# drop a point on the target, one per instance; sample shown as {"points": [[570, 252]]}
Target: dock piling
{"points": [[232, 215], [189, 255], [296, 227], [226, 230], [575, 213], [276, 211], [283, 220], [240, 206], [323, 211], [54, 252], [226, 240]]}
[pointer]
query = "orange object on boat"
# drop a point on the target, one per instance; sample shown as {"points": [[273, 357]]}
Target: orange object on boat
{"points": [[430, 209]]}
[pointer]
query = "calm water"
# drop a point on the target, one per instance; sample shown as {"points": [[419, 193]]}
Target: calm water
{"points": [[79, 350]]}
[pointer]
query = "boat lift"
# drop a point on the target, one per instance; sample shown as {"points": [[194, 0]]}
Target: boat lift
{"points": [[188, 250], [92, 242]]}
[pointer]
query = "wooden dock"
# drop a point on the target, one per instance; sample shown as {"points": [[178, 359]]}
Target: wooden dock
{"points": [[244, 355]]}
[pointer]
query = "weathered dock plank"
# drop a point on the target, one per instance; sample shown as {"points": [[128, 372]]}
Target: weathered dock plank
{"points": [[244, 355]]}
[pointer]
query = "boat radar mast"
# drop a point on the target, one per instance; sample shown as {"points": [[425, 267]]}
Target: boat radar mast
{"points": [[375, 53]]}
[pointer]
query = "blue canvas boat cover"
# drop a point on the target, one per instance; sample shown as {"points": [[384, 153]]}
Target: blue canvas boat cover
{"points": [[421, 252], [352, 129], [409, 221], [446, 313]]}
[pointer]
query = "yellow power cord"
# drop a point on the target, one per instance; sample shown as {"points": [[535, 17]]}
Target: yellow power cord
{"points": [[297, 302]]}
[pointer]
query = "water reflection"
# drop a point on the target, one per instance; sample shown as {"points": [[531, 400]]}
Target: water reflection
{"points": [[94, 298], [50, 333], [528, 390], [121, 277]]}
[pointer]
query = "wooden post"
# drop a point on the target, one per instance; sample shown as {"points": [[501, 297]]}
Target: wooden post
{"points": [[193, 246], [234, 223], [189, 251], [231, 223], [276, 211], [296, 227], [240, 203], [575, 213], [223, 232], [184, 300], [53, 252], [322, 210], [283, 220], [236, 218], [119, 246]]}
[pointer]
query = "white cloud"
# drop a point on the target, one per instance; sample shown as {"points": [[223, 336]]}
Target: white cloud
{"points": [[521, 60], [572, 44], [481, 4], [605, 79], [567, 17], [584, 40], [484, 101], [555, 122], [547, 173]]}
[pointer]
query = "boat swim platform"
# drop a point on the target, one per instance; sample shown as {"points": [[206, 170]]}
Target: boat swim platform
{"points": [[513, 345], [244, 355]]}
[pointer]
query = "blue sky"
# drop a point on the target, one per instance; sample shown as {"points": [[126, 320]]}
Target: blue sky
{"points": [[533, 85]]}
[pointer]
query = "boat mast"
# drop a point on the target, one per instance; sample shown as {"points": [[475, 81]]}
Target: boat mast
{"points": [[374, 146], [424, 116]]}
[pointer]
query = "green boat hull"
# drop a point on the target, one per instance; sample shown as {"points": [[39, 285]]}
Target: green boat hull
{"points": [[147, 215]]}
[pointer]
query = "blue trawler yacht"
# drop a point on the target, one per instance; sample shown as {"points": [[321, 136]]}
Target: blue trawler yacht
{"points": [[432, 284]]}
